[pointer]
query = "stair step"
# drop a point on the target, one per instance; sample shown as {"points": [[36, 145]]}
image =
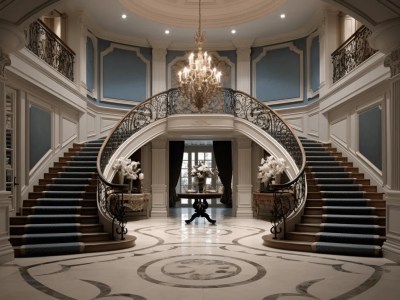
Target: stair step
{"points": [[345, 219], [62, 194], [347, 249], [74, 248], [50, 219], [52, 210], [344, 202], [344, 194], [57, 227], [56, 180], [76, 174], [363, 210], [287, 244], [64, 237], [65, 187], [60, 202]]}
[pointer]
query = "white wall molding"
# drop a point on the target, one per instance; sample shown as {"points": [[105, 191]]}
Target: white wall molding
{"points": [[310, 92], [93, 93]]}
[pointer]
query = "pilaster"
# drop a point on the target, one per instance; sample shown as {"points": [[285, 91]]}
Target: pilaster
{"points": [[391, 248], [12, 39], [243, 70], [329, 42], [244, 184], [6, 250], [159, 178], [159, 72], [159, 65]]}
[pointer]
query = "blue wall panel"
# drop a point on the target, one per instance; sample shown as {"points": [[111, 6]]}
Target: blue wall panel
{"points": [[370, 135], [314, 56], [278, 75], [124, 76], [39, 134], [89, 65]]}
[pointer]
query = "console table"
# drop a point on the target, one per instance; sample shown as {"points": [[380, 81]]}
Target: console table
{"points": [[133, 202], [263, 204], [200, 204]]}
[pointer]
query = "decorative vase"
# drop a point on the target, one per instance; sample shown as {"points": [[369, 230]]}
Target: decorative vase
{"points": [[130, 186], [266, 185], [120, 177], [200, 184], [277, 179]]}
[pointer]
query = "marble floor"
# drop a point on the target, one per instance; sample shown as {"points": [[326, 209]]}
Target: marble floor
{"points": [[172, 261]]}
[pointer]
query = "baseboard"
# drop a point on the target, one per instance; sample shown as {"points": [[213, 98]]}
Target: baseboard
{"points": [[391, 251]]}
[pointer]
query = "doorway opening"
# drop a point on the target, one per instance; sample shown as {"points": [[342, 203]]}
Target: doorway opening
{"points": [[196, 152]]}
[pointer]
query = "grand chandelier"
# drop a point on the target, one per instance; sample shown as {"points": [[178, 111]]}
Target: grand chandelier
{"points": [[199, 81]]}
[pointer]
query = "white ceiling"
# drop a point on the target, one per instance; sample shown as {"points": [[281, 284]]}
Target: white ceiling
{"points": [[256, 22]]}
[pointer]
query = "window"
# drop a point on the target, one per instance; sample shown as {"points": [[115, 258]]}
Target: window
{"points": [[195, 152]]}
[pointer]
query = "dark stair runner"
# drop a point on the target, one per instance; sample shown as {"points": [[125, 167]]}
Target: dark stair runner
{"points": [[60, 216], [343, 213]]}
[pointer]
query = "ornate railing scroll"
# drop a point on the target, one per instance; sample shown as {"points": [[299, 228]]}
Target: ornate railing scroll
{"points": [[289, 196], [45, 44], [351, 53], [110, 195], [231, 102]]}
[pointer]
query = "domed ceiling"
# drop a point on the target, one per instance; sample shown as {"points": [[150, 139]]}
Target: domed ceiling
{"points": [[256, 22]]}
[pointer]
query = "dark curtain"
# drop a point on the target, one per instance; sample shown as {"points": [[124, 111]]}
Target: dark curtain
{"points": [[176, 149], [223, 159]]}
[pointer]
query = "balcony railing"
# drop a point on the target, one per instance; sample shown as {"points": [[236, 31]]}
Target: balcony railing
{"points": [[230, 102], [351, 53], [50, 48]]}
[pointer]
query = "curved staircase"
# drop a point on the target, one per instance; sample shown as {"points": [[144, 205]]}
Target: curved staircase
{"points": [[343, 213], [61, 216]]}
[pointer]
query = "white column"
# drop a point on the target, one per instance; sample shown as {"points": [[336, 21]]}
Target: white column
{"points": [[256, 155], [159, 178], [82, 66], [75, 42], [391, 247], [329, 42], [146, 165], [12, 39], [386, 38], [243, 70], [159, 65], [244, 186], [6, 250]]}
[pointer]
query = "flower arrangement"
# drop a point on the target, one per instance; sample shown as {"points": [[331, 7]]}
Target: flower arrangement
{"points": [[270, 167], [129, 168], [201, 170]]}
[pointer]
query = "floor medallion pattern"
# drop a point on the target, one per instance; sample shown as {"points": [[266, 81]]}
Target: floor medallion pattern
{"points": [[172, 260], [201, 271]]}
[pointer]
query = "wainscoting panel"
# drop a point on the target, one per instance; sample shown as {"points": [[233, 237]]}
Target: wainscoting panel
{"points": [[339, 131], [313, 124], [69, 130]]}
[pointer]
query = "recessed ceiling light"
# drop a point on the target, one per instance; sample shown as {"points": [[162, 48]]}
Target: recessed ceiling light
{"points": [[166, 31], [233, 31], [283, 16], [123, 16]]}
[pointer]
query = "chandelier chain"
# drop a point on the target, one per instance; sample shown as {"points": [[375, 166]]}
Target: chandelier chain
{"points": [[199, 81]]}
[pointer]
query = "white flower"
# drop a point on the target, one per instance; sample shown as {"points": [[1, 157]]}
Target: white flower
{"points": [[270, 167], [129, 168], [201, 170]]}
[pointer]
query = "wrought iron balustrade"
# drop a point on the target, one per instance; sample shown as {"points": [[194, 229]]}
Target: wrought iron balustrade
{"points": [[46, 45], [231, 102], [351, 53]]}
